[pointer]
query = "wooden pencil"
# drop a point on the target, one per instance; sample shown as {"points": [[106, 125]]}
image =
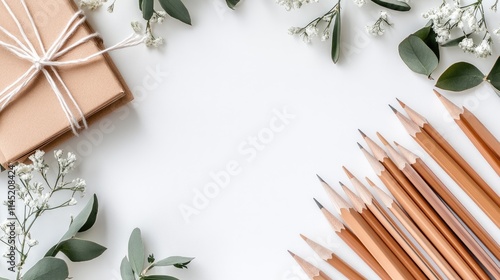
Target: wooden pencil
{"points": [[311, 271], [421, 202], [477, 133], [439, 140], [388, 239], [440, 188], [462, 178], [353, 242], [421, 219], [392, 227], [424, 242], [334, 260], [462, 236], [370, 239]]}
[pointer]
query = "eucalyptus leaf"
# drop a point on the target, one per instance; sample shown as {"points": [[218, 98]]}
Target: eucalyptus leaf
{"points": [[494, 76], [126, 270], [1, 278], [176, 9], [428, 35], [82, 220], [48, 268], [460, 76], [417, 55], [79, 250], [393, 5], [85, 218], [140, 4], [92, 216], [173, 261], [158, 277], [148, 9], [336, 37], [136, 253], [232, 3]]}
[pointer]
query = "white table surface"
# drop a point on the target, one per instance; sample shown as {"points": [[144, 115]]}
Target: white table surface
{"points": [[213, 87]]}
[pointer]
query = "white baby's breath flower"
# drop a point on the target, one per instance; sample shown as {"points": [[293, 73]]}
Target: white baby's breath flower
{"points": [[91, 4], [136, 26], [484, 49], [496, 31], [293, 30], [32, 242], [359, 3], [312, 30], [58, 154], [72, 201], [326, 35], [467, 44]]}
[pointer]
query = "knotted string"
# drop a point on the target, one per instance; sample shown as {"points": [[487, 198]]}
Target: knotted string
{"points": [[40, 63]]}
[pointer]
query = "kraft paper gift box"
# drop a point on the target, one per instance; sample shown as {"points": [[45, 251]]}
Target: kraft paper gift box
{"points": [[35, 119]]}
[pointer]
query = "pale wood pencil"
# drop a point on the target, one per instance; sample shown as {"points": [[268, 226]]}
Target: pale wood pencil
{"points": [[334, 260], [421, 220], [463, 237], [424, 242], [311, 271], [422, 203], [442, 190], [477, 133], [353, 242], [392, 227], [370, 239], [482, 199], [388, 239], [439, 140]]}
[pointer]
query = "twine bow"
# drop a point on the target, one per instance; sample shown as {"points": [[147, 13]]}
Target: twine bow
{"points": [[40, 63]]}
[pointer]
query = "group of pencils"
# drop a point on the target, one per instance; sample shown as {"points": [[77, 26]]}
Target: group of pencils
{"points": [[441, 238]]}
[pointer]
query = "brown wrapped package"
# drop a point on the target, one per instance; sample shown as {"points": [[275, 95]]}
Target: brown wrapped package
{"points": [[35, 119]]}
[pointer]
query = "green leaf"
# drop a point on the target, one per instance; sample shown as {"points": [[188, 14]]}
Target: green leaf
{"points": [[176, 9], [140, 4], [336, 38], [232, 3], [158, 277], [92, 216], [1, 278], [428, 35], [136, 253], [79, 250], [460, 76], [85, 219], [175, 260], [48, 268], [417, 55], [126, 270], [393, 5], [147, 9], [494, 76]]}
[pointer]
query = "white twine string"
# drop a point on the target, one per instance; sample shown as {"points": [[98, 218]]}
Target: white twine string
{"points": [[47, 60]]}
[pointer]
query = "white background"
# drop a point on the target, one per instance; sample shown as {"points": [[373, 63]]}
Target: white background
{"points": [[221, 82]]}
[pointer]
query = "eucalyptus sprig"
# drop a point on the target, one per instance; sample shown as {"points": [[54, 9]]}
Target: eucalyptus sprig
{"points": [[462, 76], [39, 197], [137, 266]]}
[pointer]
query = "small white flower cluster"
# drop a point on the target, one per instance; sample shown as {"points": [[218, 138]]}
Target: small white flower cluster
{"points": [[376, 28], [311, 30], [359, 3], [448, 17], [66, 164], [91, 4], [151, 40], [296, 4]]}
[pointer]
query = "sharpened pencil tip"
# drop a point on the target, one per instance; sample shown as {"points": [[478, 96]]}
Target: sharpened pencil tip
{"points": [[321, 179], [362, 133], [347, 172], [393, 109], [319, 204], [341, 184], [359, 145], [292, 254], [437, 93], [382, 139], [401, 103]]}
